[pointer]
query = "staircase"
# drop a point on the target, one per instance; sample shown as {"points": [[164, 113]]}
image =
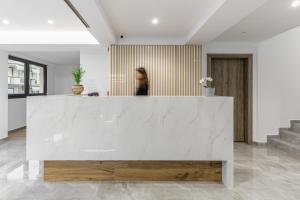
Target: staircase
{"points": [[288, 138]]}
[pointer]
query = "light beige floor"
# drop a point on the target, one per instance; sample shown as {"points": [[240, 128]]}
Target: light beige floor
{"points": [[261, 173]]}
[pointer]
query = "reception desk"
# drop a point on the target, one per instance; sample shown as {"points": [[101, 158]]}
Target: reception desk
{"points": [[132, 138]]}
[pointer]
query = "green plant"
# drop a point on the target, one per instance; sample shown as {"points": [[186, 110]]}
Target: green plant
{"points": [[78, 74]]}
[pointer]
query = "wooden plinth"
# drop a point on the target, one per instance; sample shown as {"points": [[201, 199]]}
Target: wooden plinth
{"points": [[133, 171]]}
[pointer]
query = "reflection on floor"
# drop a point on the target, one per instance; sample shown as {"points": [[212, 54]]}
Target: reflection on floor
{"points": [[261, 173]]}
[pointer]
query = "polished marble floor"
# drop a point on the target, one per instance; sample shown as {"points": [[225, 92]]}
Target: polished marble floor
{"points": [[261, 173]]}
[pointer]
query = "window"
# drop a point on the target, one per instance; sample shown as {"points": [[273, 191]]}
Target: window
{"points": [[16, 77], [26, 78], [36, 79]]}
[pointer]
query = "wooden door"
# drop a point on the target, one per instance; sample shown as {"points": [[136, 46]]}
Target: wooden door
{"points": [[229, 76]]}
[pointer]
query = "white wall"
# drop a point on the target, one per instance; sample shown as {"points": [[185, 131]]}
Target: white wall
{"points": [[279, 82], [3, 94], [50, 79], [63, 79], [16, 113], [237, 48], [96, 64]]}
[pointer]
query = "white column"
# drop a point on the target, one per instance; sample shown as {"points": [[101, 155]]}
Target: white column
{"points": [[3, 94], [96, 63]]}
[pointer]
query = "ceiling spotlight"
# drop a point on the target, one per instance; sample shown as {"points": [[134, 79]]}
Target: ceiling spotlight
{"points": [[295, 3], [155, 21], [5, 21], [50, 21]]}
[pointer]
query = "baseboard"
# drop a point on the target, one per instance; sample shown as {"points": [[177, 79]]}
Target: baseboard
{"points": [[260, 144], [17, 129]]}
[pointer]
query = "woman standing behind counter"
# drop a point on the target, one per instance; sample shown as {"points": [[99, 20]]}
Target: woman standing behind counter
{"points": [[143, 85]]}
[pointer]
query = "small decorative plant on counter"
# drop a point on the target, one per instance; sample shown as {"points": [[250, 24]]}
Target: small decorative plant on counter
{"points": [[205, 80], [78, 73], [206, 83]]}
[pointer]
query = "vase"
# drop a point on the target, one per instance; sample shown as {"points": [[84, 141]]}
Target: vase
{"points": [[209, 92], [77, 89]]}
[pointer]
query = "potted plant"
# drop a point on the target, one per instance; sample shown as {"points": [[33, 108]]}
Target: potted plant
{"points": [[78, 88], [206, 83]]}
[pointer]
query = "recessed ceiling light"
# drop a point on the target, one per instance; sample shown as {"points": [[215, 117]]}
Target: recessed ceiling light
{"points": [[5, 21], [50, 21], [155, 21], [295, 3]]}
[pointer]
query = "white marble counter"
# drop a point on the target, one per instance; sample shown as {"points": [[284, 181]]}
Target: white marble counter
{"points": [[131, 128]]}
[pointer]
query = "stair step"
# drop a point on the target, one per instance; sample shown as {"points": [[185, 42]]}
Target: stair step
{"points": [[289, 136], [277, 142], [295, 126]]}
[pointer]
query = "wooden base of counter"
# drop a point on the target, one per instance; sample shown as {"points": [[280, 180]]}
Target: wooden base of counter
{"points": [[133, 171]]}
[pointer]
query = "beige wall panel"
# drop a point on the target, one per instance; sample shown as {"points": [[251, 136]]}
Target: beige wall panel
{"points": [[173, 70]]}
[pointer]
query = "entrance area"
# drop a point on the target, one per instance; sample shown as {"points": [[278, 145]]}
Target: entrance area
{"points": [[232, 74]]}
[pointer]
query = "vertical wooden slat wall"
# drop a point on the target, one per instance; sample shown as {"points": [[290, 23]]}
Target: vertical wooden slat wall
{"points": [[173, 70]]}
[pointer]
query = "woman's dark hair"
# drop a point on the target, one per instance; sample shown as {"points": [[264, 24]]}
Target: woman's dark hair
{"points": [[142, 71]]}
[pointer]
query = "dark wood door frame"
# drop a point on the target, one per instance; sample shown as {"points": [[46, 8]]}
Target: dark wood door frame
{"points": [[249, 88]]}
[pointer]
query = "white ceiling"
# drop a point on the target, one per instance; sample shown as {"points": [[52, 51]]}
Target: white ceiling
{"points": [[57, 58], [29, 23], [227, 15], [274, 17], [34, 14], [180, 21], [176, 18]]}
